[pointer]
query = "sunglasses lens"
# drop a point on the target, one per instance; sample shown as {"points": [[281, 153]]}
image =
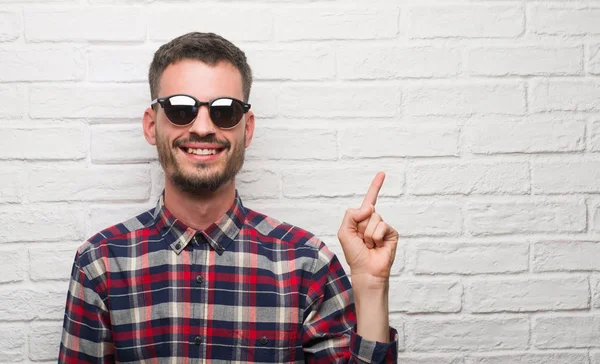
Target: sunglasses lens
{"points": [[181, 110], [226, 113]]}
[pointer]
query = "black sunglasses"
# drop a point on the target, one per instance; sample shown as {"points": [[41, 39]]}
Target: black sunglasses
{"points": [[182, 110]]}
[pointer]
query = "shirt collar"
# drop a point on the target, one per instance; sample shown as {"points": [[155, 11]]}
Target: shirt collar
{"points": [[219, 235]]}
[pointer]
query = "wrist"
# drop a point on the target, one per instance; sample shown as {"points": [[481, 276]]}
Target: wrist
{"points": [[370, 283]]}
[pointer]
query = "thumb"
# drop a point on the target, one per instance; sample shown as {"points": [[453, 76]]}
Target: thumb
{"points": [[355, 216]]}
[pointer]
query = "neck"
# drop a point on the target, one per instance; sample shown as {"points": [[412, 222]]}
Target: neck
{"points": [[199, 212]]}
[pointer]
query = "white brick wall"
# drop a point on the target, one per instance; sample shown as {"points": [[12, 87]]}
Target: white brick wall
{"points": [[485, 115]]}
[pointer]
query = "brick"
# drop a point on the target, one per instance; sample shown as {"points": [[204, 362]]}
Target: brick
{"points": [[421, 296], [91, 101], [44, 339], [121, 2], [51, 263], [113, 24], [595, 286], [279, 143], [347, 100], [23, 303], [308, 62], [528, 216], [566, 176], [11, 25], [120, 144], [39, 1], [52, 222], [467, 21], [563, 20], [527, 294], [596, 217], [12, 265], [397, 322], [12, 343], [89, 184], [53, 143], [556, 256], [182, 18], [264, 98], [564, 95], [466, 333], [595, 357], [470, 258], [595, 136], [412, 358], [566, 332], [11, 185], [524, 137], [32, 63], [339, 181], [529, 358], [467, 179], [339, 22], [593, 60], [104, 216], [420, 140], [366, 61], [525, 61], [14, 101], [461, 98], [119, 64], [255, 184], [423, 218]]}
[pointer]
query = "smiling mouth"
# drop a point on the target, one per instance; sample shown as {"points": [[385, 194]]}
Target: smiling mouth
{"points": [[202, 152]]}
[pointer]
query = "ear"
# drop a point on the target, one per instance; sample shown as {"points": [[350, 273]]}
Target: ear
{"points": [[149, 125], [249, 127]]}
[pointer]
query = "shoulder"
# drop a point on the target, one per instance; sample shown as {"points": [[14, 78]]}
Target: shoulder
{"points": [[102, 244], [274, 231]]}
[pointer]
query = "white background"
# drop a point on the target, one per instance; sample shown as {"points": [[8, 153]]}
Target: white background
{"points": [[484, 114]]}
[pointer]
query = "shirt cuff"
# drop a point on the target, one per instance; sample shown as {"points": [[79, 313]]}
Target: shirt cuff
{"points": [[367, 351]]}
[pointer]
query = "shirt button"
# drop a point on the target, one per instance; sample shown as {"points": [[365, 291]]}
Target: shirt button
{"points": [[264, 340], [220, 248], [199, 279], [197, 340], [177, 246]]}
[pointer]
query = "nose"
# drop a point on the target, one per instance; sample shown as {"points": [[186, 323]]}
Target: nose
{"points": [[203, 124]]}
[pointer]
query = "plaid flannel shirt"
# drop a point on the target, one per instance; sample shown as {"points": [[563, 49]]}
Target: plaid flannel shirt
{"points": [[248, 289]]}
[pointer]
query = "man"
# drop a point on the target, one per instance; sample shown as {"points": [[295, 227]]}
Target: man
{"points": [[201, 278]]}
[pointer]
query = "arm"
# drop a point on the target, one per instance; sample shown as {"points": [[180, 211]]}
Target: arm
{"points": [[369, 245], [86, 336], [329, 327]]}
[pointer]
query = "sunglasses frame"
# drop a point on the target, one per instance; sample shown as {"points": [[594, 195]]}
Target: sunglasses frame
{"points": [[198, 104]]}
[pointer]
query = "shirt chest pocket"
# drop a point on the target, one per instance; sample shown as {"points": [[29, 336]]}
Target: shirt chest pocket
{"points": [[277, 343]]}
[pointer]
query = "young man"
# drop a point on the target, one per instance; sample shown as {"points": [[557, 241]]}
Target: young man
{"points": [[201, 278]]}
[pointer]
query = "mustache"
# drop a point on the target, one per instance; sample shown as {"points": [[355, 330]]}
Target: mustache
{"points": [[195, 138]]}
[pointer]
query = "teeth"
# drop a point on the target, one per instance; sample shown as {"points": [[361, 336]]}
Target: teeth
{"points": [[201, 151]]}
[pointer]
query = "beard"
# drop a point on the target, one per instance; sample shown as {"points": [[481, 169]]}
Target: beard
{"points": [[206, 178]]}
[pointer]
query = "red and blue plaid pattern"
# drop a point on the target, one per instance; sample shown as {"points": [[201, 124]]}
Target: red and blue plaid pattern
{"points": [[248, 289]]}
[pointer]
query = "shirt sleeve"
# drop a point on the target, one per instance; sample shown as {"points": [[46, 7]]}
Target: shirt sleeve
{"points": [[329, 327], [86, 335]]}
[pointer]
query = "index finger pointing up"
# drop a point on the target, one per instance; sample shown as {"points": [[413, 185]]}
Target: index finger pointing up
{"points": [[371, 196]]}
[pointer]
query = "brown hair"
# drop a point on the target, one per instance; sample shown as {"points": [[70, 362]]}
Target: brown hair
{"points": [[209, 48]]}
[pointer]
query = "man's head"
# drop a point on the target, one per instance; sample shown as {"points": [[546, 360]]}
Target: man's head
{"points": [[207, 151]]}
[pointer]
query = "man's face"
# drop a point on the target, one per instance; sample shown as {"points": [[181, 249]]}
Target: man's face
{"points": [[199, 158]]}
